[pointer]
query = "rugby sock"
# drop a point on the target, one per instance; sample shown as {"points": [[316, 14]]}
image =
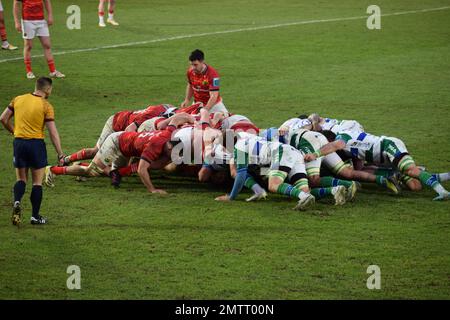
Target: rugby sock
{"points": [[252, 184], [429, 180], [79, 155], [288, 190], [19, 190], [129, 170], [51, 65], [441, 177], [322, 192], [385, 172], [3, 35], [333, 182], [58, 170], [110, 15], [28, 65], [36, 200], [381, 181], [101, 18]]}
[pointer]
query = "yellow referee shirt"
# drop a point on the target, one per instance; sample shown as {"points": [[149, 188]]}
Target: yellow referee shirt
{"points": [[30, 114]]}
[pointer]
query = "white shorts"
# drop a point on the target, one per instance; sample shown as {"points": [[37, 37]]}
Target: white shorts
{"points": [[289, 157], [150, 124], [219, 107], [1, 7], [34, 28], [110, 154], [107, 130]]}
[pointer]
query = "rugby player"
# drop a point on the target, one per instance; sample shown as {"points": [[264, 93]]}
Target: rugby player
{"points": [[33, 24], [382, 150]]}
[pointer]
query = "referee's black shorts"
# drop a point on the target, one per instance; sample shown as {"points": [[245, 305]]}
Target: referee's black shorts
{"points": [[29, 153]]}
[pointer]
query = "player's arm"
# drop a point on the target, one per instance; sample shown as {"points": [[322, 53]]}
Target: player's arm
{"points": [[17, 9], [6, 119], [326, 150], [188, 96], [54, 137], [213, 96], [48, 7], [144, 174]]}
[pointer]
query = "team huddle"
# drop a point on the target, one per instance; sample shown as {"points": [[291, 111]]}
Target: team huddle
{"points": [[306, 158]]}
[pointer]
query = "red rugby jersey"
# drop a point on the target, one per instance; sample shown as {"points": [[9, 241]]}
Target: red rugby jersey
{"points": [[202, 84], [147, 145], [32, 9], [123, 119]]}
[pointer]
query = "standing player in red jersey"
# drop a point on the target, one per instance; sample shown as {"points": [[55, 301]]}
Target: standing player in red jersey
{"points": [[203, 84], [33, 24], [101, 13], [121, 121], [5, 44]]}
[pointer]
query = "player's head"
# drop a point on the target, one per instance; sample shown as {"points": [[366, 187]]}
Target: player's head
{"points": [[315, 120], [196, 59], [44, 85], [330, 135]]}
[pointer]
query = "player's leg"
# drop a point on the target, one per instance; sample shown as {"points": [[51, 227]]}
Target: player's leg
{"points": [[342, 170], [111, 9], [36, 196], [5, 44], [28, 45], [101, 13], [47, 46], [18, 192], [395, 150], [89, 153]]}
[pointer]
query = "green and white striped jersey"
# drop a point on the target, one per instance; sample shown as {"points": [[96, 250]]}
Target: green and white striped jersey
{"points": [[251, 149], [363, 146], [305, 140]]}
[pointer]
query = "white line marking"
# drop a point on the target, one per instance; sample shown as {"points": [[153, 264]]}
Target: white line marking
{"points": [[188, 36]]}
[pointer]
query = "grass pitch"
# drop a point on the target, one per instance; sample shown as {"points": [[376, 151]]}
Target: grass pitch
{"points": [[130, 244]]}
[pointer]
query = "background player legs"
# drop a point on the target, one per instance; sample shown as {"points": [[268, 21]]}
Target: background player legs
{"points": [[27, 46], [47, 46], [111, 8], [5, 44], [18, 192], [101, 13]]}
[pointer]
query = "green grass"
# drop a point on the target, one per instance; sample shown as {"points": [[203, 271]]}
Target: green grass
{"points": [[130, 244]]}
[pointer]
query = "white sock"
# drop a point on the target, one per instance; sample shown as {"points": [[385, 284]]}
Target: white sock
{"points": [[439, 188], [303, 195], [111, 16], [5, 43], [443, 176], [101, 19], [257, 189]]}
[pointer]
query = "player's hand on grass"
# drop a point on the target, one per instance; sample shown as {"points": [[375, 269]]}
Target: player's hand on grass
{"points": [[223, 198], [159, 191]]}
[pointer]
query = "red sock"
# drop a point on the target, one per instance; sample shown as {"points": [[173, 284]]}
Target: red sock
{"points": [[80, 155], [28, 65], [101, 13], [128, 171], [3, 33], [111, 11], [58, 170], [84, 164], [51, 65]]}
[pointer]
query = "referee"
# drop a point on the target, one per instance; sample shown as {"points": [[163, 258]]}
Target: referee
{"points": [[31, 112]]}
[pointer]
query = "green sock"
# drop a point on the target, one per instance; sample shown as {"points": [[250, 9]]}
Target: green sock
{"points": [[288, 190], [333, 182], [249, 182], [381, 181], [321, 192], [431, 181]]}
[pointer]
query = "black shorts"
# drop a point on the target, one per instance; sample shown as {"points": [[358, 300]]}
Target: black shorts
{"points": [[29, 153]]}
